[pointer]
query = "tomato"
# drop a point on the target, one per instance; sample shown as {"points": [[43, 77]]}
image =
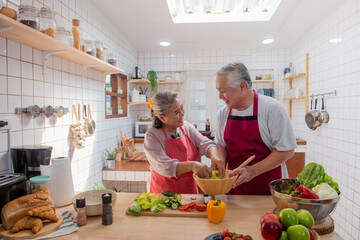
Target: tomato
{"points": [[184, 207], [305, 218], [189, 210], [192, 204], [298, 232], [288, 217], [200, 207]]}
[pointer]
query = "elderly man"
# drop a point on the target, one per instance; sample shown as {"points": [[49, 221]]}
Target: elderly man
{"points": [[251, 124]]}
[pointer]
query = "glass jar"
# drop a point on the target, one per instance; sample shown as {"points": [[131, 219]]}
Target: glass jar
{"points": [[99, 50], [111, 59], [47, 22], [90, 48], [29, 16], [64, 36], [40, 184]]}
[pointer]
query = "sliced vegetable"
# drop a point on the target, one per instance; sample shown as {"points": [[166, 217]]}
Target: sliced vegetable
{"points": [[135, 208], [184, 207], [193, 198], [192, 204], [200, 207]]}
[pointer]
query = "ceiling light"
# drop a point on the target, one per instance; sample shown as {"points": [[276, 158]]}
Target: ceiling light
{"points": [[268, 41], [335, 40], [188, 11], [164, 43]]}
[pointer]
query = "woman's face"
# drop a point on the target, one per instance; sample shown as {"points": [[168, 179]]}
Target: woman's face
{"points": [[175, 116]]}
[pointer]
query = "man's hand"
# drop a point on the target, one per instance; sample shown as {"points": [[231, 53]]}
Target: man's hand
{"points": [[218, 164], [245, 175], [201, 170], [218, 157]]}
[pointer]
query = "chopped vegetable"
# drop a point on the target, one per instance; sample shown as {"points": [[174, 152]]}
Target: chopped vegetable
{"points": [[154, 202], [193, 198], [200, 207], [304, 192], [135, 208], [325, 191]]}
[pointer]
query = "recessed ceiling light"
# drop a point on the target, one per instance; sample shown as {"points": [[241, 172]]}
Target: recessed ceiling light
{"points": [[335, 40], [268, 41], [165, 43]]}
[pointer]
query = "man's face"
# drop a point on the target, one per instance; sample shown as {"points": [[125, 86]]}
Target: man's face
{"points": [[227, 94]]}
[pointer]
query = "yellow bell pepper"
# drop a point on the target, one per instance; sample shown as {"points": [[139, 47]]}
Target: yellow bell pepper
{"points": [[215, 211]]}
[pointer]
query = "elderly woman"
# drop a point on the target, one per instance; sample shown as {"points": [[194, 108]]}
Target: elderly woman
{"points": [[173, 146]]}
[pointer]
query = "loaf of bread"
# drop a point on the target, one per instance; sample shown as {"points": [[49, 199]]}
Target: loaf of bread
{"points": [[17, 209]]}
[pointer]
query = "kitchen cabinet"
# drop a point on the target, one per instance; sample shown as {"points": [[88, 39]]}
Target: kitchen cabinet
{"points": [[23, 34], [114, 99], [299, 76]]}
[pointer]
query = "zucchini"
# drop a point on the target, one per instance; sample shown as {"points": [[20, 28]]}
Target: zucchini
{"points": [[168, 193]]}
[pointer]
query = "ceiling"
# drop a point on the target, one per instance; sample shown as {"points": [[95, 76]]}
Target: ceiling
{"points": [[145, 22]]}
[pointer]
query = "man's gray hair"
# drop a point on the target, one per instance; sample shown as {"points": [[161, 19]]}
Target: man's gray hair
{"points": [[236, 73]]}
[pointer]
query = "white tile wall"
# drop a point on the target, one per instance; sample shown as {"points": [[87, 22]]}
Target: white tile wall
{"points": [[22, 84]]}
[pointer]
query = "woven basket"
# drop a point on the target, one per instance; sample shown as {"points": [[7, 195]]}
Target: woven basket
{"points": [[216, 186]]}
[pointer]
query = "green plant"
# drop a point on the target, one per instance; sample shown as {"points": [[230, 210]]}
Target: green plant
{"points": [[151, 75], [110, 155], [99, 186]]}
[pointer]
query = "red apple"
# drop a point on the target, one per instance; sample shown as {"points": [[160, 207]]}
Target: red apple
{"points": [[270, 216], [311, 234], [271, 229]]}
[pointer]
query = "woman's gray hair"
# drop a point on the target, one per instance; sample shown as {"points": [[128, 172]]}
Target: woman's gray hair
{"points": [[236, 73], [162, 102]]}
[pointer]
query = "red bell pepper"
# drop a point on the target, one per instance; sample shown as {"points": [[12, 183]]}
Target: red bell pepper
{"points": [[304, 192]]}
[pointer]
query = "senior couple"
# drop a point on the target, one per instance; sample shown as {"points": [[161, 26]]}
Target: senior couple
{"points": [[249, 124]]}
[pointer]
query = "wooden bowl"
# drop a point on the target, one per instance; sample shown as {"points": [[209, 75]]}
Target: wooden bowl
{"points": [[216, 186], [93, 201]]}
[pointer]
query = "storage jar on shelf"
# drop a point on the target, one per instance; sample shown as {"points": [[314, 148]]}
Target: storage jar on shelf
{"points": [[29, 16], [90, 47], [76, 33], [111, 59], [64, 36], [47, 22], [99, 50]]}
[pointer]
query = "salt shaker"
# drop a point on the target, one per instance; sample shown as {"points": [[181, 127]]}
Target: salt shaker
{"points": [[107, 216], [81, 216]]}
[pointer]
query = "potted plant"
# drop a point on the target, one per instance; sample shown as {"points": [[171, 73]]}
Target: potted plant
{"points": [[152, 77], [110, 158]]}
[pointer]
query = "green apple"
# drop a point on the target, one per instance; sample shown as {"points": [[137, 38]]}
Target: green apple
{"points": [[284, 236], [305, 218], [288, 217], [298, 232]]}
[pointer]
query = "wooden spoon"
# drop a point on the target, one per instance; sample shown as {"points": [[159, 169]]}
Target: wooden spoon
{"points": [[247, 161]]}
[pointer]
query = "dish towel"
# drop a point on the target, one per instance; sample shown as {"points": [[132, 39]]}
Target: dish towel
{"points": [[68, 226]]}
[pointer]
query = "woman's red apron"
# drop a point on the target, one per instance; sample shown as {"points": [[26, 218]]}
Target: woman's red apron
{"points": [[243, 139], [183, 149]]}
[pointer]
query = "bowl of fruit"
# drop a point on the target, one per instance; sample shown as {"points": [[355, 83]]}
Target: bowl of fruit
{"points": [[216, 185], [312, 190]]}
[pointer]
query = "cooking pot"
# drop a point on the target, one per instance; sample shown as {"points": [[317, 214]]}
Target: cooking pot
{"points": [[324, 115], [312, 117]]}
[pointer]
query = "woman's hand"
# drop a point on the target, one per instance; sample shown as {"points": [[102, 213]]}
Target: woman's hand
{"points": [[218, 164], [201, 170], [245, 175]]}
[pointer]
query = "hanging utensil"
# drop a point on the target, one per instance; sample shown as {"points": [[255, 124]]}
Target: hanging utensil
{"points": [[324, 115], [311, 118], [91, 123], [86, 121]]}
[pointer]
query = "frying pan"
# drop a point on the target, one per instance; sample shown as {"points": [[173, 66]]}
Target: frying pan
{"points": [[91, 123], [324, 115], [312, 117]]}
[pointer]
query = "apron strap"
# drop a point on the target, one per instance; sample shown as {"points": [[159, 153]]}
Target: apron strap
{"points": [[166, 137]]}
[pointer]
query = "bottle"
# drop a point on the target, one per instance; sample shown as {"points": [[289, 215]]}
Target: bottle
{"points": [[207, 125], [120, 111], [107, 216], [76, 33], [81, 216]]}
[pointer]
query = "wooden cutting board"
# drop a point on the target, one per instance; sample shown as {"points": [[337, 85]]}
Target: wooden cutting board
{"points": [[168, 212], [48, 228]]}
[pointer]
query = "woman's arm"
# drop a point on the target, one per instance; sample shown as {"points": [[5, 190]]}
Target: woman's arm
{"points": [[200, 169]]}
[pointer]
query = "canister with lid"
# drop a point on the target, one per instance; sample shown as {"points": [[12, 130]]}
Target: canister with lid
{"points": [[99, 49], [90, 48], [111, 58], [29, 16], [40, 184], [64, 36], [47, 22]]}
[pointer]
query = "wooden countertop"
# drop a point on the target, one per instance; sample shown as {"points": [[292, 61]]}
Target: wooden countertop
{"points": [[131, 165], [243, 215]]}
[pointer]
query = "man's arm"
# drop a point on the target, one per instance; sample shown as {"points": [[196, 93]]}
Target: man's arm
{"points": [[218, 157], [275, 159]]}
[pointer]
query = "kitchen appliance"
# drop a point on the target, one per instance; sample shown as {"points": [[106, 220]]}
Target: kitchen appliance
{"points": [[141, 128], [136, 74], [27, 159], [12, 186]]}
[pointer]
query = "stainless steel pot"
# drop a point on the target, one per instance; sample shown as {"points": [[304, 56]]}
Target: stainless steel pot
{"points": [[324, 115], [312, 117], [92, 125]]}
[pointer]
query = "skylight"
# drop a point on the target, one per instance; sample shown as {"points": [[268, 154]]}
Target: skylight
{"points": [[206, 11]]}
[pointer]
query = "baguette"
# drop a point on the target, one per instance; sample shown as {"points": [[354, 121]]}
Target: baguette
{"points": [[17, 209]]}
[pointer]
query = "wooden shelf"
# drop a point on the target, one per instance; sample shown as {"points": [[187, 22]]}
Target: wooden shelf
{"points": [[137, 103], [294, 98], [295, 76], [139, 81], [170, 82], [263, 81], [28, 36], [116, 81], [115, 94]]}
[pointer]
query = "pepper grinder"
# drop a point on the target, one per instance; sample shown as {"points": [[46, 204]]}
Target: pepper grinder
{"points": [[81, 215], [107, 216]]}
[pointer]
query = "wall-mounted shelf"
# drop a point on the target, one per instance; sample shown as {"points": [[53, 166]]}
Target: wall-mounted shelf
{"points": [[114, 99], [293, 77], [115, 94], [170, 82], [23, 34], [139, 81]]}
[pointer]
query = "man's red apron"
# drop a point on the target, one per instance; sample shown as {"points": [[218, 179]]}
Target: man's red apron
{"points": [[184, 150], [242, 138]]}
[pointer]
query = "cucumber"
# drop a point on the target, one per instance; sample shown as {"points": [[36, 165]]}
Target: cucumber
{"points": [[174, 206], [193, 198], [168, 193], [178, 196]]}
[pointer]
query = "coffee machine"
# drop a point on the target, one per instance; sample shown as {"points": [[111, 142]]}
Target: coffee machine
{"points": [[27, 159]]}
